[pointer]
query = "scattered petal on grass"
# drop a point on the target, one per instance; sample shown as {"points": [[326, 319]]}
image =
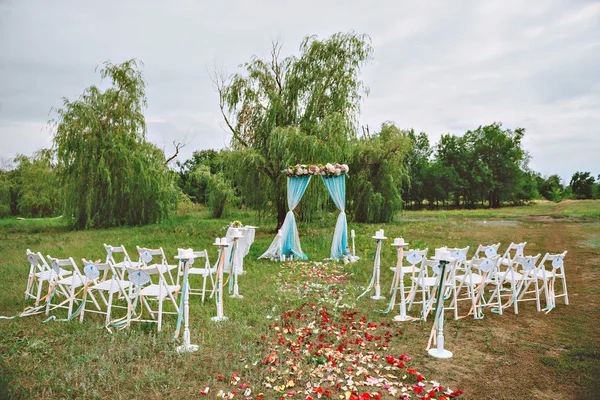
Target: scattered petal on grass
{"points": [[323, 349]]}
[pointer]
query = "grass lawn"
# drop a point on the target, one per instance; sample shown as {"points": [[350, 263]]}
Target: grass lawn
{"points": [[531, 355]]}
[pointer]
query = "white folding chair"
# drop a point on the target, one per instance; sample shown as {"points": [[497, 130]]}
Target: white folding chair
{"points": [[524, 272], [479, 273], [67, 286], [147, 257], [415, 259], [119, 266], [155, 292], [40, 272], [487, 251], [507, 274], [205, 271], [426, 281], [113, 284], [549, 276]]}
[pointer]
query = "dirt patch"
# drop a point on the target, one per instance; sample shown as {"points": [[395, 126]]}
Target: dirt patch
{"points": [[498, 222]]}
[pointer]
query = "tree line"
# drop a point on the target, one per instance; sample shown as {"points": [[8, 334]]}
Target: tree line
{"points": [[279, 111]]}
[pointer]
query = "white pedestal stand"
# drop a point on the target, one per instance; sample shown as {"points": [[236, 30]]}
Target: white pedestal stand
{"points": [[237, 234], [222, 243], [439, 351], [353, 257], [379, 238], [186, 347], [399, 243]]}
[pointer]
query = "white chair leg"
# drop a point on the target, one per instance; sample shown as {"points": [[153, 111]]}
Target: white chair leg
{"points": [[423, 316], [71, 297], [455, 302], [109, 306], [514, 299], [537, 296], [393, 280], [148, 308], [82, 311], [40, 283], [203, 288], [160, 307], [474, 303], [564, 282]]}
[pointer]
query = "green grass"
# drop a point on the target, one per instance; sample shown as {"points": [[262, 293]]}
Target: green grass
{"points": [[67, 360], [580, 209]]}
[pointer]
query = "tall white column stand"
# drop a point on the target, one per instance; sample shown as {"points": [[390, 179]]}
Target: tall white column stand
{"points": [[237, 234], [379, 237], [439, 351], [187, 256], [221, 243], [400, 244], [353, 257]]}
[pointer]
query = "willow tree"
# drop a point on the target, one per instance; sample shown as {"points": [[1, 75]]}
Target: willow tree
{"points": [[110, 175], [297, 109], [380, 166]]}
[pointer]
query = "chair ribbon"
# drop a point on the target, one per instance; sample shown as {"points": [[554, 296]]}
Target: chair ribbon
{"points": [[37, 309], [551, 294], [513, 297], [232, 266], [438, 310], [218, 266], [29, 284], [182, 301], [75, 313], [124, 322], [377, 261], [393, 290], [476, 310]]}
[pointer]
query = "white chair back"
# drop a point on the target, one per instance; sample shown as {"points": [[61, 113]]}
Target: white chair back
{"points": [[487, 251], [415, 257], [517, 248]]}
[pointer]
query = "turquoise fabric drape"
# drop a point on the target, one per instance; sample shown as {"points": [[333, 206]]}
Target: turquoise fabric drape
{"points": [[336, 186], [296, 186]]}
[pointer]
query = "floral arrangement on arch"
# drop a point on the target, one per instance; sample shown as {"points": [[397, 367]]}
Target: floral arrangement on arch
{"points": [[316, 169]]}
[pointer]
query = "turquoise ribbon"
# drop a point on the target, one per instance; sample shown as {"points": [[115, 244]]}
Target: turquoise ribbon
{"points": [[441, 284], [125, 322], [33, 310], [372, 278], [233, 247]]}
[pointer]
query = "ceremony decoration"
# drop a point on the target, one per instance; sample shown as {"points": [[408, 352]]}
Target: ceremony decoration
{"points": [[222, 244], [235, 270], [438, 324], [187, 256], [286, 244], [379, 237], [398, 282]]}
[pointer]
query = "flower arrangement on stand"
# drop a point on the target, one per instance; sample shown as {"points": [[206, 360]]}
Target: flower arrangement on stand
{"points": [[327, 170]]}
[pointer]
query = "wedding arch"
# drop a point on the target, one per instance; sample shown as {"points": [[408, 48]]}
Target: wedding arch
{"points": [[287, 242]]}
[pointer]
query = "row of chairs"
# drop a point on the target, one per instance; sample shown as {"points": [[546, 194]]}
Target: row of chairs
{"points": [[486, 280], [114, 284]]}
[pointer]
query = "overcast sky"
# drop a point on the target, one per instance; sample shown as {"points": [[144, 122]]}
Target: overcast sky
{"points": [[438, 66]]}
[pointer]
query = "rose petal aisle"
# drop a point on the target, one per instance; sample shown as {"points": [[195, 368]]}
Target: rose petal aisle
{"points": [[320, 348]]}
